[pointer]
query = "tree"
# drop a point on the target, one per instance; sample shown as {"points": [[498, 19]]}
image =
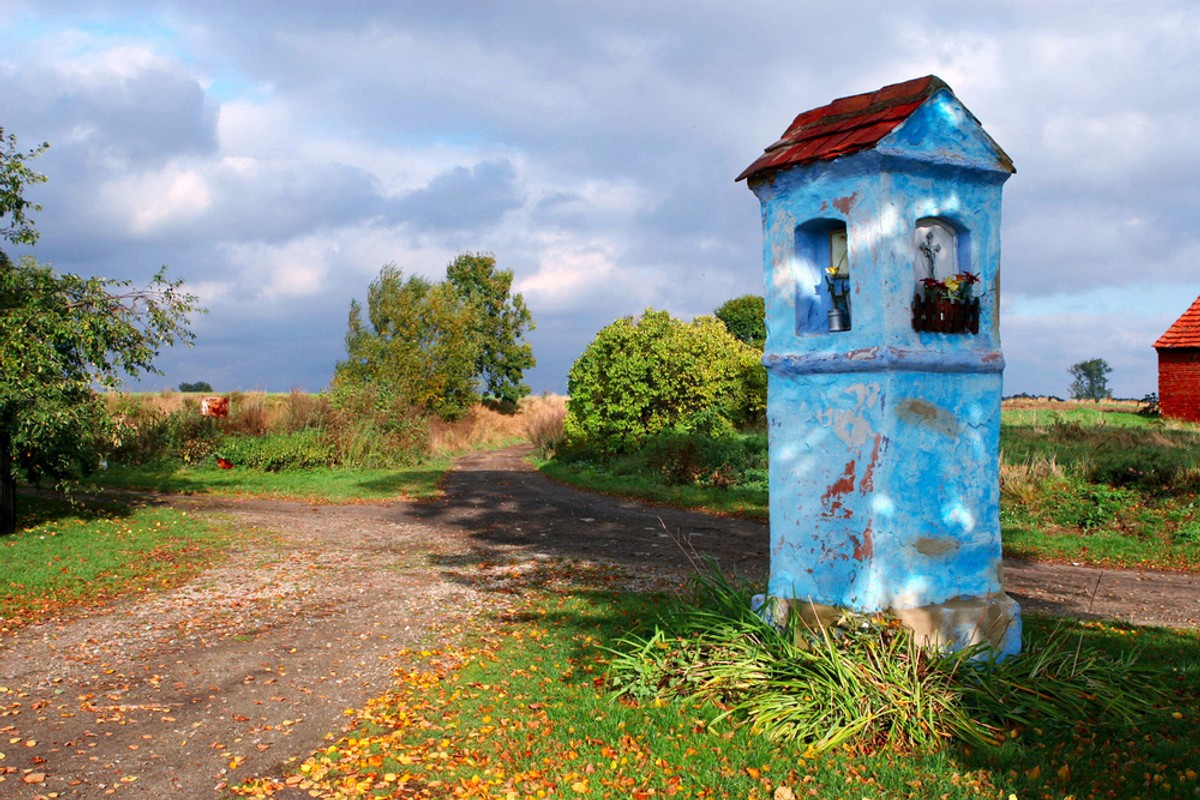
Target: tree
{"points": [[198, 386], [61, 338], [501, 323], [1090, 379], [640, 377], [417, 348], [15, 176], [745, 317]]}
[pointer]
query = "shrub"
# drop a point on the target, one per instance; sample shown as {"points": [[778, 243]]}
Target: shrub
{"points": [[366, 437], [281, 451], [641, 377], [147, 435]]}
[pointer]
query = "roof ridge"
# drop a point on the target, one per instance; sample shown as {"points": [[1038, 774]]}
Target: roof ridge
{"points": [[929, 85], [1185, 331], [824, 132]]}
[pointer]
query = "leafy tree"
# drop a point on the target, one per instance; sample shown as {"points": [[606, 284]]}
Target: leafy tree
{"points": [[1090, 379], [745, 317], [61, 337], [640, 377], [198, 386], [15, 176], [501, 322], [417, 348]]}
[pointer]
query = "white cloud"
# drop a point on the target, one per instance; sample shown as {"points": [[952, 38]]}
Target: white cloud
{"points": [[154, 203], [266, 153]]}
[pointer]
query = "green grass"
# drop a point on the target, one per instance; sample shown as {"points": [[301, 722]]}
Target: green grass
{"points": [[64, 556], [734, 501], [337, 485], [526, 710]]}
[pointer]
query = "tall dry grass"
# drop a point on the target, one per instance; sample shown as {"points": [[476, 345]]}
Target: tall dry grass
{"points": [[535, 420], [170, 415], [543, 421], [1021, 482]]}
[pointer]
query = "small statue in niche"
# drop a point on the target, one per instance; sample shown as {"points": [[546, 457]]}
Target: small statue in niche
{"points": [[837, 281], [944, 301]]}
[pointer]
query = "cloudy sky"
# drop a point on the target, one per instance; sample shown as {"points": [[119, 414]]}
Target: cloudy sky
{"points": [[275, 155]]}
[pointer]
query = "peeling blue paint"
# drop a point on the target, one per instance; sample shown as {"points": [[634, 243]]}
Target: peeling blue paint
{"points": [[884, 440]]}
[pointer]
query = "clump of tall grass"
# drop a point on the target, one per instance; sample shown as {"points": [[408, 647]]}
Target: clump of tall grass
{"points": [[1022, 482], [480, 428], [866, 682], [543, 422]]}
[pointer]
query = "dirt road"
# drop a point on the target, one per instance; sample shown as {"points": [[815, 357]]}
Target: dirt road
{"points": [[178, 694]]}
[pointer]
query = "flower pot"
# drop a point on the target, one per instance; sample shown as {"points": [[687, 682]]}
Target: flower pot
{"points": [[938, 315], [839, 320]]}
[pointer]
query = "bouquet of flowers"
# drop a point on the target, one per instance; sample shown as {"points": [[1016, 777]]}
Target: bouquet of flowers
{"points": [[956, 288]]}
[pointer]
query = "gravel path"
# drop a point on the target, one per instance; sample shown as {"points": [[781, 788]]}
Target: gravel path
{"points": [[251, 664]]}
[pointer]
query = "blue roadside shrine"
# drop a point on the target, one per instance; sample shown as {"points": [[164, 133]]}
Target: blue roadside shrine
{"points": [[881, 221]]}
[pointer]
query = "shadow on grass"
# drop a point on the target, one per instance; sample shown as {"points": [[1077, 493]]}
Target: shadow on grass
{"points": [[37, 506], [1092, 759], [398, 482]]}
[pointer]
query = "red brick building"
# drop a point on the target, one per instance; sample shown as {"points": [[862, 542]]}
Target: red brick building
{"points": [[1179, 367]]}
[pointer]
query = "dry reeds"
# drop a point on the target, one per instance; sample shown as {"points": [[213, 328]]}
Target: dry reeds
{"points": [[1021, 482], [362, 435], [543, 421]]}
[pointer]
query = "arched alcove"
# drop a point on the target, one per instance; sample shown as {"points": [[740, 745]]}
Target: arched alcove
{"points": [[823, 276], [946, 291]]}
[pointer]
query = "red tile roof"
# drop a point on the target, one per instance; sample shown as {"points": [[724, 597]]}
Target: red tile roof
{"points": [[1186, 330], [846, 125]]}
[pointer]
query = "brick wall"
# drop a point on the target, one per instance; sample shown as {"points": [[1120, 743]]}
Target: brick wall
{"points": [[1179, 383]]}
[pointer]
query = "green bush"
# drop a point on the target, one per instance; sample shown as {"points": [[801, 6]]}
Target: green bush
{"points": [[281, 451], [724, 460], [641, 377], [380, 440], [1089, 506]]}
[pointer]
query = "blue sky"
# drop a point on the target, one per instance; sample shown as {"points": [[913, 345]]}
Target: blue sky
{"points": [[276, 155]]}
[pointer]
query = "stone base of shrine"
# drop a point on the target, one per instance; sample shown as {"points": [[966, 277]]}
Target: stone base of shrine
{"points": [[953, 625]]}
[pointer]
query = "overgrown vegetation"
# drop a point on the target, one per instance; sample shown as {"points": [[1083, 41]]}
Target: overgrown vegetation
{"points": [[295, 445], [865, 681], [525, 709]]}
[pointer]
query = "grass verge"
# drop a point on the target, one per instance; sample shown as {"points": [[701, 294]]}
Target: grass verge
{"points": [[339, 485], [525, 711], [731, 501], [67, 555]]}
